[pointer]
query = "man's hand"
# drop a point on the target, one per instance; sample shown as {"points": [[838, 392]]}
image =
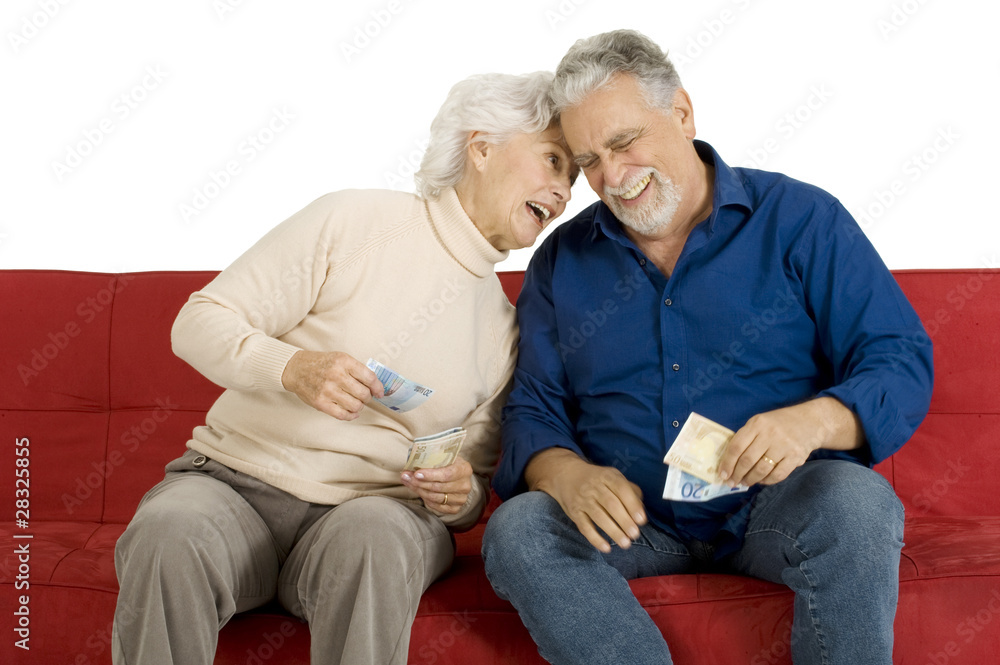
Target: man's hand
{"points": [[334, 382], [444, 490], [773, 444], [594, 497]]}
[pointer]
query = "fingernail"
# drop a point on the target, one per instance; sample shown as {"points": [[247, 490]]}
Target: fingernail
{"points": [[419, 475], [723, 475], [406, 477]]}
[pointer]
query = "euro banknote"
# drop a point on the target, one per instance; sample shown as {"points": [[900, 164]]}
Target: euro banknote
{"points": [[400, 394], [699, 447], [682, 486], [436, 450]]}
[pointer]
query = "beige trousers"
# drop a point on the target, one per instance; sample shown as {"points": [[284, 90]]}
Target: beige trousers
{"points": [[208, 542]]}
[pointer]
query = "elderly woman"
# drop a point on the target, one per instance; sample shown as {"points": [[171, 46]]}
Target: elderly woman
{"points": [[293, 488]]}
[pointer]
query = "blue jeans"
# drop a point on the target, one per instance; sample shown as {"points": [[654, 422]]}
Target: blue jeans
{"points": [[831, 531]]}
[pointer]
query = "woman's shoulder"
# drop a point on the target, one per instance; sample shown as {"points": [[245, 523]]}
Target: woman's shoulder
{"points": [[371, 203]]}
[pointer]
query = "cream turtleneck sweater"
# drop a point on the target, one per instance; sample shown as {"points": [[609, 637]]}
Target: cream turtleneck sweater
{"points": [[372, 274]]}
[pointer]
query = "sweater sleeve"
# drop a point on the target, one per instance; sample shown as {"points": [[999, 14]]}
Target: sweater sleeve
{"points": [[229, 330]]}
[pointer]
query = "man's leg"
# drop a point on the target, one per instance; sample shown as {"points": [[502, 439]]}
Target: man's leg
{"points": [[357, 575], [832, 532], [574, 600], [194, 554]]}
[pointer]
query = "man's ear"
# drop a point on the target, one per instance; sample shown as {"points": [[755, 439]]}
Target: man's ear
{"points": [[684, 111], [478, 151]]}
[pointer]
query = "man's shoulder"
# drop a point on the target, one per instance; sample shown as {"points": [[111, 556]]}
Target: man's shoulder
{"points": [[763, 187], [574, 231]]}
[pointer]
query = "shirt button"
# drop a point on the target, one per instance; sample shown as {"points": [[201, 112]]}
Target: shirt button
{"points": [[676, 424], [642, 262], [199, 461], [668, 302], [676, 367]]}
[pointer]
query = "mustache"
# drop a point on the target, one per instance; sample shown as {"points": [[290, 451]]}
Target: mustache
{"points": [[632, 182]]}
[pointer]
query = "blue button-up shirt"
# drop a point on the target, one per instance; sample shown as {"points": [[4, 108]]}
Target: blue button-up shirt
{"points": [[778, 297]]}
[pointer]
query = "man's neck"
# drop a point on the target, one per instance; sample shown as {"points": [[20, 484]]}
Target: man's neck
{"points": [[664, 248]]}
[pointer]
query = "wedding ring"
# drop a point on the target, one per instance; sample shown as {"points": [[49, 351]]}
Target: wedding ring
{"points": [[445, 502], [769, 460]]}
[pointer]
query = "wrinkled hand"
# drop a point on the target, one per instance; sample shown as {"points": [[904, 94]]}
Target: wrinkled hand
{"points": [[331, 382], [444, 490], [594, 497], [773, 444]]}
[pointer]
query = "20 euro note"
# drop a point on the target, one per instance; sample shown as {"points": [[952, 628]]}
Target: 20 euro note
{"points": [[682, 486], [436, 450], [400, 394], [699, 447]]}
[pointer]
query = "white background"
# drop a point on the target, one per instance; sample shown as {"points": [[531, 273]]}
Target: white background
{"points": [[890, 105]]}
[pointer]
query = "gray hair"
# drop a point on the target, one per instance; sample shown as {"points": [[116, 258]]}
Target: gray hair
{"points": [[499, 106], [591, 63]]}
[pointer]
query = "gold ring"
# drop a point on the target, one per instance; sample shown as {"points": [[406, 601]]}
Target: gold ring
{"points": [[445, 502], [769, 460]]}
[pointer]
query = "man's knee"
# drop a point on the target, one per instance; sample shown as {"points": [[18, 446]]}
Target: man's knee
{"points": [[523, 530], [855, 502]]}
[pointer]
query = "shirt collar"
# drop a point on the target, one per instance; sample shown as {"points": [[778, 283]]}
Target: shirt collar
{"points": [[461, 237], [727, 190]]}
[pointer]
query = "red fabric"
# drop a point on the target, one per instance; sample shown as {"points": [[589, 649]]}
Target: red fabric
{"points": [[90, 379]]}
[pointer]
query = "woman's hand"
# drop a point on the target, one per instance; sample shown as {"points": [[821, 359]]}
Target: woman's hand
{"points": [[444, 490], [331, 382]]}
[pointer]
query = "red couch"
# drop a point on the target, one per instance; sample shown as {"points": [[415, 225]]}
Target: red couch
{"points": [[94, 404]]}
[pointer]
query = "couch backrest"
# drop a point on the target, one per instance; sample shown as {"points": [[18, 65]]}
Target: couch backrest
{"points": [[90, 379], [950, 465]]}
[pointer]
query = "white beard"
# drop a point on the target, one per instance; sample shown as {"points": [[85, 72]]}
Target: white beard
{"points": [[656, 214]]}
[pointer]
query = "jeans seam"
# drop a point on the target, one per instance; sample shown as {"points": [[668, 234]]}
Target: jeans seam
{"points": [[804, 569]]}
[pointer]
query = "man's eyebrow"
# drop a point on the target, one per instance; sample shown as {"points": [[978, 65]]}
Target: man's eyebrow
{"points": [[623, 136]]}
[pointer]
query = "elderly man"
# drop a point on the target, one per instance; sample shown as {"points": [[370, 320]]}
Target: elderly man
{"points": [[741, 295]]}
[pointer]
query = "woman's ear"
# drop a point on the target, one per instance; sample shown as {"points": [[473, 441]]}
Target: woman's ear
{"points": [[479, 151]]}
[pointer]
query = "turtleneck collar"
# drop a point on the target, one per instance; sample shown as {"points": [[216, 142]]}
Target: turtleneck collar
{"points": [[461, 237]]}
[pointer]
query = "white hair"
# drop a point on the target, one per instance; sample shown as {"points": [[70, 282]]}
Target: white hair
{"points": [[591, 63], [497, 105]]}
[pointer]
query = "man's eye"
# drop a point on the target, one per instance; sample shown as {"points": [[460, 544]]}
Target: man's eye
{"points": [[623, 146]]}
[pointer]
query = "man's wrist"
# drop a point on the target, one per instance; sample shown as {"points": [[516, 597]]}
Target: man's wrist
{"points": [[840, 428], [544, 465]]}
